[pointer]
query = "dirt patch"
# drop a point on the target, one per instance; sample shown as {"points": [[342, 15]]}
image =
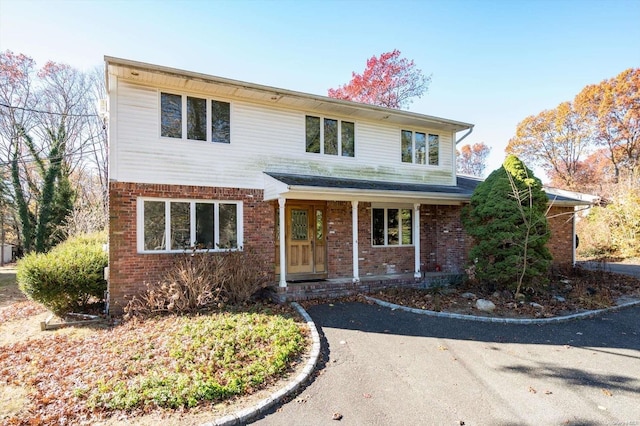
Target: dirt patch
{"points": [[12, 399]]}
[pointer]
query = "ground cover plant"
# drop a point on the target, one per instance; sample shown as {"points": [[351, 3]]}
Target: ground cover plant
{"points": [[141, 366]]}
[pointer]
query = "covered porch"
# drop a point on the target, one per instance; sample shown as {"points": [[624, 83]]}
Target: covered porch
{"points": [[328, 243]]}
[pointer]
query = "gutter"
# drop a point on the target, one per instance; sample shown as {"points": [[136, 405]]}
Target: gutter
{"points": [[465, 135]]}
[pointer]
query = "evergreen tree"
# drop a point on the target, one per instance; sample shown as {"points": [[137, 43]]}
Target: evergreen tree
{"points": [[507, 220]]}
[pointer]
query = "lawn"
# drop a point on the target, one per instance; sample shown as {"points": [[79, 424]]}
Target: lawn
{"points": [[159, 365]]}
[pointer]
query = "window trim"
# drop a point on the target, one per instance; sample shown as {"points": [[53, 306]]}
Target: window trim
{"points": [[428, 136], [184, 119], [192, 223], [386, 207], [339, 133]]}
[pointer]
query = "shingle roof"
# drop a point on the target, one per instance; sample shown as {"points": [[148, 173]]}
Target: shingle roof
{"points": [[464, 187]]}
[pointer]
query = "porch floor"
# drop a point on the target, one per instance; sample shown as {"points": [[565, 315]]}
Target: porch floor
{"points": [[339, 287]]}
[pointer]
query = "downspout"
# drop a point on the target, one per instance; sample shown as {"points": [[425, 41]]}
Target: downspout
{"points": [[465, 135], [455, 153]]}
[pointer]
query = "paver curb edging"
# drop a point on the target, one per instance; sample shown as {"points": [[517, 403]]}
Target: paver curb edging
{"points": [[572, 317], [243, 416]]}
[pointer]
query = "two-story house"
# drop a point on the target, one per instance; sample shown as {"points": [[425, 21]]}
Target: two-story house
{"points": [[347, 195]]}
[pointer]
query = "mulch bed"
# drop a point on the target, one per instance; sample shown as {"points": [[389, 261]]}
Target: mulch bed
{"points": [[576, 290]]}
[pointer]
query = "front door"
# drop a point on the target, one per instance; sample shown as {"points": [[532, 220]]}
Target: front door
{"points": [[305, 240]]}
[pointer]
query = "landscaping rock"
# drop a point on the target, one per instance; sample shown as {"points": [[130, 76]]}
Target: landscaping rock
{"points": [[468, 295], [536, 305], [559, 299], [485, 305], [497, 294]]}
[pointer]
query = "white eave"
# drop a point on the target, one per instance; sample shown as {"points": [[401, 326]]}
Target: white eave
{"points": [[562, 197], [196, 82]]}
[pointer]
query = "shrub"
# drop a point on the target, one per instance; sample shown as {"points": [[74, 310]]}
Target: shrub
{"points": [[506, 218], [69, 276], [613, 230], [202, 281]]}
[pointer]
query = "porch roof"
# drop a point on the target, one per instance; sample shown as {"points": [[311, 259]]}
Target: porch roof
{"points": [[309, 187]]}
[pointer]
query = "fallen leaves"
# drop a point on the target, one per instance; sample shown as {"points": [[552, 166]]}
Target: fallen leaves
{"points": [[451, 300], [63, 373], [20, 310]]}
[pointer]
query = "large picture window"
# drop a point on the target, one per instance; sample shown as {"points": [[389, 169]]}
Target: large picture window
{"points": [[188, 115], [391, 226], [329, 136], [414, 148], [178, 225]]}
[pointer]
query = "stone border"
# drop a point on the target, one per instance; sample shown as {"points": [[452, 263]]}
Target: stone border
{"points": [[243, 416], [580, 315]]}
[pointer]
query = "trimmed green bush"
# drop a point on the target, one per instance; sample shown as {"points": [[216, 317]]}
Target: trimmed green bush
{"points": [[69, 276], [506, 218]]}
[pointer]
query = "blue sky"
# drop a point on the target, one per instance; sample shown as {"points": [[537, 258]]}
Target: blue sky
{"points": [[493, 63]]}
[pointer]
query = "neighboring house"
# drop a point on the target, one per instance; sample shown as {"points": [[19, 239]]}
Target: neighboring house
{"points": [[350, 197]]}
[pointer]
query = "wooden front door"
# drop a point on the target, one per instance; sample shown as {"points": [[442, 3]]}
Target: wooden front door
{"points": [[305, 238]]}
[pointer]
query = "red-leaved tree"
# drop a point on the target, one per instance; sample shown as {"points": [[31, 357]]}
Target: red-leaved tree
{"points": [[472, 159], [389, 81]]}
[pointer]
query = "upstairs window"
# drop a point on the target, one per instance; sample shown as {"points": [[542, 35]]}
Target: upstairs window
{"points": [[171, 106], [194, 123], [330, 136], [419, 148]]}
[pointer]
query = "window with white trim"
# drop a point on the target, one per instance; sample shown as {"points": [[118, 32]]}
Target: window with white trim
{"points": [[329, 136], [204, 120], [420, 148], [391, 226], [178, 225]]}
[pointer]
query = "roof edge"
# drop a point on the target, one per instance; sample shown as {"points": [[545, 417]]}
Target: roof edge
{"points": [[176, 72]]}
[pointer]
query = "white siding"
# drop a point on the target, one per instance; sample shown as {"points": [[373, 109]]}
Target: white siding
{"points": [[263, 138]]}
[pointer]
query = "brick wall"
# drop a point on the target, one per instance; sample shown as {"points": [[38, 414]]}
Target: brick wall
{"points": [[339, 240], [444, 244], [379, 260], [561, 242], [129, 271]]}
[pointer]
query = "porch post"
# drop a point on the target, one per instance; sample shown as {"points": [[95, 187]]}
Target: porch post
{"points": [[416, 239], [283, 261], [354, 232]]}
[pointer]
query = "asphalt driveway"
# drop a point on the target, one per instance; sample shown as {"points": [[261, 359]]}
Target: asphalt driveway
{"points": [[390, 367], [617, 267]]}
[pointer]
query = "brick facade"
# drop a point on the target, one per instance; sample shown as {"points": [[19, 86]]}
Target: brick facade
{"points": [[561, 242], [129, 270], [443, 242]]}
